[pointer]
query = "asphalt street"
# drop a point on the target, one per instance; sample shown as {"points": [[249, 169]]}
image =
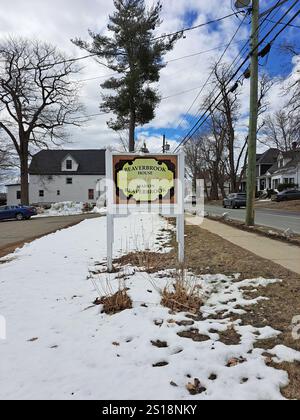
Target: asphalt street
{"points": [[275, 219]]}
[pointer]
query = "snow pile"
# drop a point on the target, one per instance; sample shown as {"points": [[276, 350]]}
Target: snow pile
{"points": [[100, 210], [66, 208], [60, 346]]}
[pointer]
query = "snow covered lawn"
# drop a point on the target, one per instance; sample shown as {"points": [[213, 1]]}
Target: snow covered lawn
{"points": [[60, 346]]}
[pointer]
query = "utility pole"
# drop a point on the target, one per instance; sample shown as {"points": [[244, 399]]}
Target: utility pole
{"points": [[164, 143], [252, 140]]}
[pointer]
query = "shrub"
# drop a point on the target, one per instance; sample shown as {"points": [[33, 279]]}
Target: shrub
{"points": [[286, 186], [115, 302], [183, 295]]}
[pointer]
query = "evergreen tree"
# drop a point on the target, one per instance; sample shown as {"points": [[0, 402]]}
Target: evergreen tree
{"points": [[132, 51]]}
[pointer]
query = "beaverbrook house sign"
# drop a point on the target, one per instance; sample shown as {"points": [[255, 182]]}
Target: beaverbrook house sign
{"points": [[143, 182], [145, 179]]}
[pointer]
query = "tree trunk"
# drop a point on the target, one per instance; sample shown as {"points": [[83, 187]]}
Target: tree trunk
{"points": [[132, 132], [214, 191], [194, 183], [24, 173]]}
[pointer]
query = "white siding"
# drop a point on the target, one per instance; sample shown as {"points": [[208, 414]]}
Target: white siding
{"points": [[12, 195], [77, 191]]}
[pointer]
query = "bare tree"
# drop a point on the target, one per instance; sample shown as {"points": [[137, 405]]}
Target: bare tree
{"points": [[292, 88], [5, 163], [281, 130], [194, 159], [37, 98], [228, 116], [223, 153]]}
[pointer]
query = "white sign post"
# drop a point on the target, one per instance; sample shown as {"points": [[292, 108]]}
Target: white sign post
{"points": [[144, 183]]}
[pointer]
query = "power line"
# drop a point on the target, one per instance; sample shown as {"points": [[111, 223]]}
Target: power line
{"points": [[70, 60], [283, 23], [249, 55], [198, 53], [166, 62], [209, 109], [182, 31], [90, 115], [211, 74], [286, 25], [180, 93], [162, 99]]}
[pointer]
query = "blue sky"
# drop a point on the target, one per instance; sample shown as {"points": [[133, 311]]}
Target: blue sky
{"points": [[277, 64]]}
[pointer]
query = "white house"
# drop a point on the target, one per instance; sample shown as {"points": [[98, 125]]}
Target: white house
{"points": [[274, 167], [62, 175], [286, 170]]}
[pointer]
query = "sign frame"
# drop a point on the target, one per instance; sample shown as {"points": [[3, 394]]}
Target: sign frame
{"points": [[175, 209]]}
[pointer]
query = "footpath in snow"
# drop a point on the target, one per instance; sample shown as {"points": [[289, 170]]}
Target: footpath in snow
{"points": [[60, 346]]}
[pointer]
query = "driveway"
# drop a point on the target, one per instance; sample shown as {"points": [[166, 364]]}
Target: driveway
{"points": [[13, 232], [275, 219]]}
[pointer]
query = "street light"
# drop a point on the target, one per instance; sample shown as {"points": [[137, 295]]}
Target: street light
{"points": [[241, 4]]}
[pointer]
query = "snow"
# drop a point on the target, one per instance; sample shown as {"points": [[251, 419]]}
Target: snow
{"points": [[100, 210], [66, 208], [60, 346], [285, 354]]}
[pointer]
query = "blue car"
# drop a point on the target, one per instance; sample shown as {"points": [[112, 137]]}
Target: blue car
{"points": [[17, 212]]}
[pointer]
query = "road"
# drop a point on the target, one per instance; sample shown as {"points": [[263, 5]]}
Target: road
{"points": [[275, 219], [13, 232]]}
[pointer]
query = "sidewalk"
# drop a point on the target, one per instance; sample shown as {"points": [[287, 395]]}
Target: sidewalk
{"points": [[286, 255]]}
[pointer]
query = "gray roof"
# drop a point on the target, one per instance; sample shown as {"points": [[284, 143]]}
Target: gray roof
{"points": [[294, 155], [269, 157], [48, 162], [273, 168]]}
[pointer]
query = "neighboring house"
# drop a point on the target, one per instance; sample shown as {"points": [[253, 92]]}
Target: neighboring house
{"points": [[286, 170], [62, 175], [3, 199], [264, 162], [275, 167]]}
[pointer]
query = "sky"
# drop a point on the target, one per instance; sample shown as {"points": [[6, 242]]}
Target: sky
{"points": [[58, 21]]}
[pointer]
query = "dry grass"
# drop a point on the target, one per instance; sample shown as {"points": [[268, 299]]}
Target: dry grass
{"points": [[114, 303], [182, 295], [149, 262], [208, 253]]}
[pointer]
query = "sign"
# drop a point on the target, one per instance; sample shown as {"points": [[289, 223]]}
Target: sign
{"points": [[145, 179], [144, 182]]}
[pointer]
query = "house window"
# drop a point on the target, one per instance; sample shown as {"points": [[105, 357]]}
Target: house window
{"points": [[69, 164], [41, 193], [18, 195], [292, 181], [69, 181], [58, 192], [91, 194]]}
